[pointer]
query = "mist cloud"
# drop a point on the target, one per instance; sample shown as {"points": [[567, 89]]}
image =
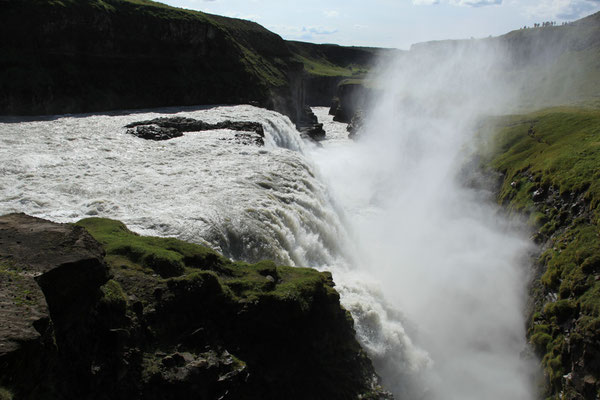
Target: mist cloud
{"points": [[453, 266]]}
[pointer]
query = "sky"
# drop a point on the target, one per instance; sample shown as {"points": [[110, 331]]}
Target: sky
{"points": [[393, 23]]}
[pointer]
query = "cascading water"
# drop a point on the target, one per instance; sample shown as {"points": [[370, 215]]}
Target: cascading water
{"points": [[386, 216], [441, 250], [250, 203], [246, 201]]}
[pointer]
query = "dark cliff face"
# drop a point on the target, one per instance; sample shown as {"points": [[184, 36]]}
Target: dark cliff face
{"points": [[95, 56], [74, 56]]}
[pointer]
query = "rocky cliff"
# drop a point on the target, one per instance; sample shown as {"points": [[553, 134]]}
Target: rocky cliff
{"points": [[327, 65], [93, 311], [74, 56], [77, 56]]}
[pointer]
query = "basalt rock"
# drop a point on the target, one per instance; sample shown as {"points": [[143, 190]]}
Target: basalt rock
{"points": [[154, 132], [309, 125], [50, 278], [352, 96], [355, 126], [165, 128]]}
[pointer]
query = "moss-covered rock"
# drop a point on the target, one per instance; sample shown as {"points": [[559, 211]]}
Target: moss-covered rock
{"points": [[211, 327]]}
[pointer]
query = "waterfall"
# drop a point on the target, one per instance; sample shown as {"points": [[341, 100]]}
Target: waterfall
{"points": [[441, 250], [399, 243]]}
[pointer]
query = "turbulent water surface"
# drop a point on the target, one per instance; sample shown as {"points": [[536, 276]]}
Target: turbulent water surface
{"points": [[431, 277]]}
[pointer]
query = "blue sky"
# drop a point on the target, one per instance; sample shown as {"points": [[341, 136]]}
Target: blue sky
{"points": [[393, 23]]}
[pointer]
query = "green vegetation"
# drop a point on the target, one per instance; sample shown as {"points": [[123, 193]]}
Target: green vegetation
{"points": [[550, 160], [5, 394], [143, 7], [177, 262], [114, 296], [323, 67], [332, 60], [23, 288], [558, 147]]}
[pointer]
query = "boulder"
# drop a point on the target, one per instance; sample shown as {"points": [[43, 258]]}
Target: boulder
{"points": [[50, 278], [356, 124]]}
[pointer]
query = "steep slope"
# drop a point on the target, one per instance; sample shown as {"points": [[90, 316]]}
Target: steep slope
{"points": [[553, 65], [549, 161], [77, 56]]}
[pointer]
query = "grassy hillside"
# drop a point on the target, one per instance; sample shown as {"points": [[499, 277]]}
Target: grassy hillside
{"points": [[334, 60], [562, 62], [551, 66], [253, 310], [550, 161]]}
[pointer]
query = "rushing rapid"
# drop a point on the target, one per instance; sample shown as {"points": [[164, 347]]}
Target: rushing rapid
{"points": [[246, 201]]}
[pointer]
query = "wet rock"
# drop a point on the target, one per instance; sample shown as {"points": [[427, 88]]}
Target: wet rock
{"points": [[538, 195], [154, 132], [356, 124], [165, 128], [352, 96], [315, 132], [50, 275], [309, 125]]}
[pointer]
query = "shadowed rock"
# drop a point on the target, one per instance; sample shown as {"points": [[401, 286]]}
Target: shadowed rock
{"points": [[165, 128]]}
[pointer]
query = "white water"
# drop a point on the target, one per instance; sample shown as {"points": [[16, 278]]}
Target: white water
{"points": [[432, 280], [441, 252], [246, 201]]}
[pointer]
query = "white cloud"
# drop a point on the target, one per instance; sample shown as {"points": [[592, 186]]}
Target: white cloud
{"points": [[467, 3], [302, 32], [318, 30], [250, 17], [561, 9], [475, 3], [331, 13], [425, 2]]}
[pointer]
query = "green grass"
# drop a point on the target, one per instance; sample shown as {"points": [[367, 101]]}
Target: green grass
{"points": [[149, 261], [558, 146], [556, 150], [22, 287], [113, 295], [322, 67]]}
